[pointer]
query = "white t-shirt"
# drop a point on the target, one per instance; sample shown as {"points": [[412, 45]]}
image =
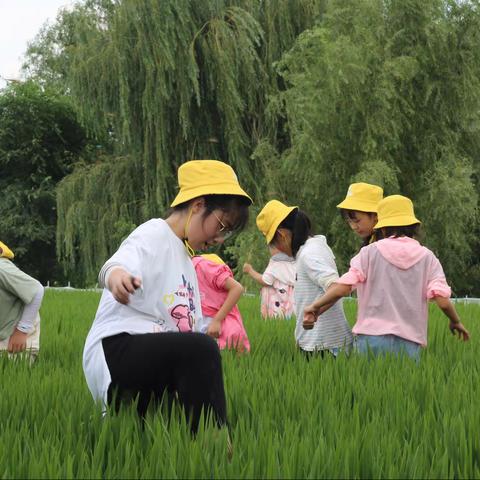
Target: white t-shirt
{"points": [[169, 299], [316, 270]]}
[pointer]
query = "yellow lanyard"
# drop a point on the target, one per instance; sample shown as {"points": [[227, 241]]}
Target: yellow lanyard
{"points": [[189, 248]]}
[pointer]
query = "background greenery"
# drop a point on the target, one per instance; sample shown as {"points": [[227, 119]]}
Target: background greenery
{"points": [[301, 97], [349, 418]]}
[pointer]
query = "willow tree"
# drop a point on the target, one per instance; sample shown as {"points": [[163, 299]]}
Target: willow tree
{"points": [[168, 80], [386, 92]]}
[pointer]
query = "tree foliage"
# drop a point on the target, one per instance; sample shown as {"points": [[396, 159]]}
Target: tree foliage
{"points": [[169, 81], [40, 139], [388, 92], [301, 97]]}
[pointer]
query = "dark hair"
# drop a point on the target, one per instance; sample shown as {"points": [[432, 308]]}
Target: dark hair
{"points": [[347, 214], [235, 204], [299, 224], [351, 215], [370, 239], [412, 231]]}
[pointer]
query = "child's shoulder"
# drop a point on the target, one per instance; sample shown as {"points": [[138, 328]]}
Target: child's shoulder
{"points": [[208, 265], [154, 229], [313, 244], [7, 265]]}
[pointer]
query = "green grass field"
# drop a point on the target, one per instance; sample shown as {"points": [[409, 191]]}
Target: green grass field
{"points": [[352, 417]]}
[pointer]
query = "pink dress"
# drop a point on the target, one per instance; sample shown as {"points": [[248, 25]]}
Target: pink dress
{"points": [[277, 300], [395, 278], [211, 282]]}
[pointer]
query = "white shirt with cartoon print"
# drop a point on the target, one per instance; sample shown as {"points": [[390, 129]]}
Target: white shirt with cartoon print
{"points": [[168, 301]]}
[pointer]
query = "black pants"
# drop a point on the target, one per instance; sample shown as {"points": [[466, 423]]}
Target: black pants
{"points": [[156, 366], [309, 355]]}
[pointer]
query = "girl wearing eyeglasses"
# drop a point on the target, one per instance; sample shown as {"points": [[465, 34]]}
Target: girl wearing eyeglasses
{"points": [[141, 344]]}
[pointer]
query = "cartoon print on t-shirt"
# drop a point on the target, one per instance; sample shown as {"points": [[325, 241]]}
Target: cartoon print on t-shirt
{"points": [[183, 314], [184, 320]]}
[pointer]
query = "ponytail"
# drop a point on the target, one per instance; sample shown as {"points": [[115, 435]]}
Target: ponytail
{"points": [[300, 225]]}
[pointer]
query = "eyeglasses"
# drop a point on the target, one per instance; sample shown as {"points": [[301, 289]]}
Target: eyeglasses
{"points": [[225, 232]]}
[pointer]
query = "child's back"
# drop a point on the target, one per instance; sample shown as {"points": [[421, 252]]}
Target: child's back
{"points": [[395, 278], [316, 269], [277, 297]]}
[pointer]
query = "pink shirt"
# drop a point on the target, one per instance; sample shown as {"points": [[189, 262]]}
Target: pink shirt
{"points": [[395, 278], [211, 282]]}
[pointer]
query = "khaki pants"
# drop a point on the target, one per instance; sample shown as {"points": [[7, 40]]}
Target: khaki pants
{"points": [[33, 344]]}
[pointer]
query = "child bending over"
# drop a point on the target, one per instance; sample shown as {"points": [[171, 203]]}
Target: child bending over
{"points": [[219, 294]]}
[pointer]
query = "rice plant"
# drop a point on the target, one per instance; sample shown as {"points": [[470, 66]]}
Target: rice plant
{"points": [[352, 417]]}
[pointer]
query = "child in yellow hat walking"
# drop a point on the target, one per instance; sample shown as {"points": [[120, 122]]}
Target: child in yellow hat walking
{"points": [[141, 342], [278, 279], [20, 300], [290, 228], [395, 277], [359, 209], [220, 293]]}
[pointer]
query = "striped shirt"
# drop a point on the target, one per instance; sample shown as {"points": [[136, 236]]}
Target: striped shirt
{"points": [[316, 270]]}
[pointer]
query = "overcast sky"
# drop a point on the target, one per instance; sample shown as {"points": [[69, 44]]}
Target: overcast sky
{"points": [[20, 21]]}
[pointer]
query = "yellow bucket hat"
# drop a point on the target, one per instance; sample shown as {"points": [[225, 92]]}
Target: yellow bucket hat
{"points": [[6, 252], [395, 211], [213, 258], [206, 177], [362, 197], [271, 216]]}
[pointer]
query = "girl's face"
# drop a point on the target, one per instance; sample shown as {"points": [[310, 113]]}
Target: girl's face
{"points": [[206, 230], [362, 223]]}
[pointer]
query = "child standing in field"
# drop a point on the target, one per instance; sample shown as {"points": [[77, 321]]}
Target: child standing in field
{"points": [[141, 342], [20, 300], [290, 229], [220, 293], [277, 281], [359, 209], [395, 277]]}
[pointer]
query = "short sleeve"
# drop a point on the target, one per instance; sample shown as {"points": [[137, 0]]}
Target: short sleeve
{"points": [[268, 276], [220, 275], [132, 253], [437, 285], [357, 272], [17, 282]]}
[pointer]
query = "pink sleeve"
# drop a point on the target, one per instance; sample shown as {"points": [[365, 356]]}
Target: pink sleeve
{"points": [[220, 275], [356, 274], [437, 283]]}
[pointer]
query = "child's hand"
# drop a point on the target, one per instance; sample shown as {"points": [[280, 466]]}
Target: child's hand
{"points": [[214, 328], [462, 331], [17, 341], [122, 284], [247, 268], [310, 315]]}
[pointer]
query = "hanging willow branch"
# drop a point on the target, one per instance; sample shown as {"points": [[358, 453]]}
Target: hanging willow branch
{"points": [[170, 80]]}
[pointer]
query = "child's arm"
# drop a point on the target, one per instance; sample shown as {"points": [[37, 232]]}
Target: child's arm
{"points": [[335, 292], [30, 292], [235, 291], [248, 269], [18, 340], [449, 310]]}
